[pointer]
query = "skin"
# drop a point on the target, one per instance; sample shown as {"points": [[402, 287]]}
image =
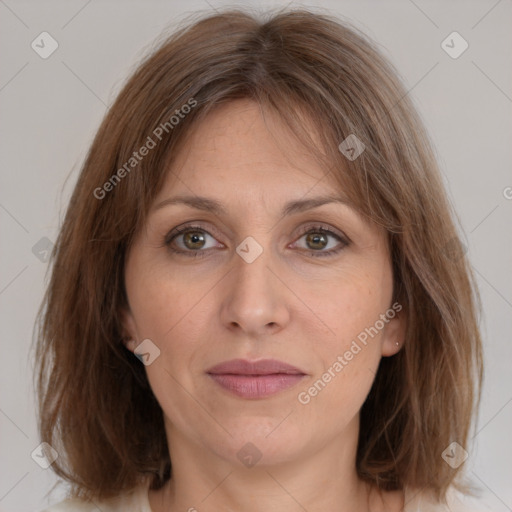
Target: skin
{"points": [[287, 304]]}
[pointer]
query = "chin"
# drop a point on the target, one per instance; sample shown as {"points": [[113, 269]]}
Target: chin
{"points": [[257, 441]]}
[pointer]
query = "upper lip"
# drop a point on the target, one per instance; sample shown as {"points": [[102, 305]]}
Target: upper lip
{"points": [[262, 367]]}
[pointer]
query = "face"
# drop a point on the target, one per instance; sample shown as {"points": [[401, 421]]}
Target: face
{"points": [[310, 287]]}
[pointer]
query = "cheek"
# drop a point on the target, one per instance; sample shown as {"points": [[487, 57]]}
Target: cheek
{"points": [[349, 350], [175, 313], [348, 362], [171, 314], [348, 306], [159, 299]]}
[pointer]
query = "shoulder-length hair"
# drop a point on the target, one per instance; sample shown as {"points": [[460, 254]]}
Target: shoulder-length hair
{"points": [[95, 406]]}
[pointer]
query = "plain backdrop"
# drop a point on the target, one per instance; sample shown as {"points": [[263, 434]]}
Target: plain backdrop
{"points": [[50, 109]]}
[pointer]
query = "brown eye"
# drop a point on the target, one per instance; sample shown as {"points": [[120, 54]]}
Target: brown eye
{"points": [[318, 238], [190, 241], [193, 239], [316, 241]]}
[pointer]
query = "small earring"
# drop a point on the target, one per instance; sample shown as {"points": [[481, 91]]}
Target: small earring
{"points": [[397, 343]]}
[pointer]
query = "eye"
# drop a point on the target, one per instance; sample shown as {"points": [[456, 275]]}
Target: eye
{"points": [[190, 240], [316, 239]]}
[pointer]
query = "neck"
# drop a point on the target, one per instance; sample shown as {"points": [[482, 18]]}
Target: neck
{"points": [[324, 479]]}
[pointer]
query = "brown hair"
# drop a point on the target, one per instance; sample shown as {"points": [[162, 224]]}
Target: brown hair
{"points": [[95, 405]]}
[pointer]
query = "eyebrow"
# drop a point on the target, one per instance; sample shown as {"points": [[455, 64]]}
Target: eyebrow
{"points": [[214, 206]]}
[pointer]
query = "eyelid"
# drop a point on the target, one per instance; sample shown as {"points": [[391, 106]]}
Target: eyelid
{"points": [[191, 225], [325, 228], [303, 230]]}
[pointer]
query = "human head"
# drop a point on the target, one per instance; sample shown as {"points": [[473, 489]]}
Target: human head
{"points": [[299, 66]]}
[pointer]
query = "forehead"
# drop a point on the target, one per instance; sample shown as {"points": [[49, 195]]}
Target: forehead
{"points": [[239, 145], [246, 163]]}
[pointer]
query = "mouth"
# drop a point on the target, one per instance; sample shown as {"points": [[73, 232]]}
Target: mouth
{"points": [[255, 380]]}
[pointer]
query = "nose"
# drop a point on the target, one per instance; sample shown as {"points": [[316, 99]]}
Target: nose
{"points": [[255, 298]]}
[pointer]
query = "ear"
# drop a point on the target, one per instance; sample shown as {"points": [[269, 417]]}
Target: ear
{"points": [[393, 337], [129, 330]]}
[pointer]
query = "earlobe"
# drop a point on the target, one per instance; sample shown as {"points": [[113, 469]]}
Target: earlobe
{"points": [[129, 343], [394, 335], [129, 330]]}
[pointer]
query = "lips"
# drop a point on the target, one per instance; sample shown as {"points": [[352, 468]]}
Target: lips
{"points": [[255, 380], [263, 367]]}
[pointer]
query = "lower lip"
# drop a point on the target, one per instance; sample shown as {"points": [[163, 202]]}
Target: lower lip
{"points": [[256, 386]]}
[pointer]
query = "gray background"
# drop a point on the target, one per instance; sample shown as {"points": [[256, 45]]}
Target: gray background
{"points": [[50, 109]]}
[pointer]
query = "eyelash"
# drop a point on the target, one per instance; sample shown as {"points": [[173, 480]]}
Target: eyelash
{"points": [[169, 238]]}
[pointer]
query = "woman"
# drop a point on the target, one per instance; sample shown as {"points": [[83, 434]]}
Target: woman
{"points": [[258, 297]]}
